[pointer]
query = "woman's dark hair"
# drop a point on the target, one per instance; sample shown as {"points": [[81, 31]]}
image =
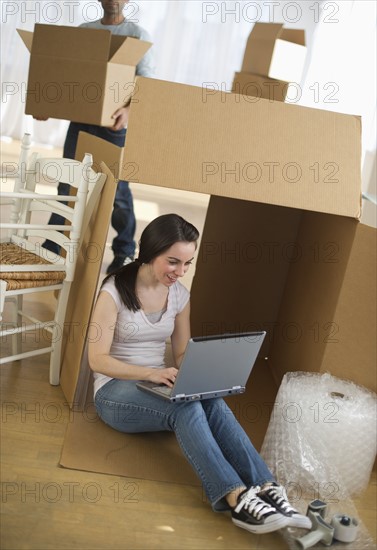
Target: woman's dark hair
{"points": [[159, 235]]}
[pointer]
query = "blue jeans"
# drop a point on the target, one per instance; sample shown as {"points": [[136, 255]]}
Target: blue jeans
{"points": [[209, 435], [123, 216]]}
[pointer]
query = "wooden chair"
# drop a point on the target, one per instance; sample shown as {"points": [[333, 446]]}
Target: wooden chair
{"points": [[25, 265]]}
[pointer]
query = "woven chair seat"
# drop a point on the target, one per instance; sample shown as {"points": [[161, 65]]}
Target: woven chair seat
{"points": [[11, 254]]}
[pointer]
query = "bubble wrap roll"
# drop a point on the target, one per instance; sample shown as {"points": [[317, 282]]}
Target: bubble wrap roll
{"points": [[322, 435]]}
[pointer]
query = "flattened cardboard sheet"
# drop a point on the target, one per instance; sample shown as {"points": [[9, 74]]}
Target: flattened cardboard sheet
{"points": [[92, 446], [84, 286], [268, 152]]}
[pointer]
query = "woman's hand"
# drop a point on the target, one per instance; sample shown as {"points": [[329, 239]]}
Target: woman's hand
{"points": [[163, 376]]}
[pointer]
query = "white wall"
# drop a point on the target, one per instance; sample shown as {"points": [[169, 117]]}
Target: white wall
{"points": [[197, 42]]}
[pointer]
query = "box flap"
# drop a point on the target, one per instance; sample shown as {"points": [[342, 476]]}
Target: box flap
{"points": [[102, 151], [71, 42], [265, 31], [356, 314], [27, 38], [229, 145], [127, 50], [259, 86], [262, 45], [296, 36]]}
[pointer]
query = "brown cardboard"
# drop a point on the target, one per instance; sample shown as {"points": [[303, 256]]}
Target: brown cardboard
{"points": [[275, 52], [268, 152], [92, 446], [334, 304], [102, 151], [84, 286], [257, 86], [78, 74], [291, 259], [308, 277]]}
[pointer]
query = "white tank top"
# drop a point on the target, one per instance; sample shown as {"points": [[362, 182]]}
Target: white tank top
{"points": [[139, 340]]}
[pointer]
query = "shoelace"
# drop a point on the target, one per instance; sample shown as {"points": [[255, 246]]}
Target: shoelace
{"points": [[253, 504], [278, 496]]}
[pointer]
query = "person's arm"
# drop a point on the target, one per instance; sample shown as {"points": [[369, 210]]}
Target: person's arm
{"points": [[145, 67], [104, 323], [181, 334], [121, 118]]}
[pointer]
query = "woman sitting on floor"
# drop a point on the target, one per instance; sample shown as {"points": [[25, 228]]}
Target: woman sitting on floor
{"points": [[138, 308]]}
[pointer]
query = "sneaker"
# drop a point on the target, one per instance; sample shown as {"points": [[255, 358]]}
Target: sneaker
{"points": [[118, 262], [276, 496], [255, 515]]}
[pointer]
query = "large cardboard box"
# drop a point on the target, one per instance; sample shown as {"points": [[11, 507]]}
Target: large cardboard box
{"points": [[282, 247], [78, 74], [286, 256], [275, 52], [267, 152]]}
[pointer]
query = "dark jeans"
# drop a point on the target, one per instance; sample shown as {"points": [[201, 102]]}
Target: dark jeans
{"points": [[123, 216]]}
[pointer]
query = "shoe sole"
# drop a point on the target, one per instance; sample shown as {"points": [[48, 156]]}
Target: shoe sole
{"points": [[275, 525]]}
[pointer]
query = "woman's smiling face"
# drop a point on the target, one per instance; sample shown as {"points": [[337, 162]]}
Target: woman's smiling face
{"points": [[173, 263]]}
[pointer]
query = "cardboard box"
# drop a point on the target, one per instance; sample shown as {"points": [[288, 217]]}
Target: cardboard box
{"points": [[268, 152], [259, 87], [275, 52], [78, 74], [286, 256], [290, 258]]}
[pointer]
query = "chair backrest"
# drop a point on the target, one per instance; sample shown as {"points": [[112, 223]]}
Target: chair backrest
{"points": [[19, 176], [35, 200]]}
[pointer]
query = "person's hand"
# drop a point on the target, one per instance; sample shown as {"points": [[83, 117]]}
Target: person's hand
{"points": [[121, 118], [40, 118], [163, 376]]}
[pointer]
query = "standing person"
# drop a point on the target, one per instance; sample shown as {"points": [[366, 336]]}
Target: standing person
{"points": [[138, 308], [123, 216]]}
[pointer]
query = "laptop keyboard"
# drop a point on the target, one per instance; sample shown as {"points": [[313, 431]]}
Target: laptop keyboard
{"points": [[164, 389]]}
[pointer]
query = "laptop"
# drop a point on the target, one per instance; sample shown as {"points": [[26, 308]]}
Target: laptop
{"points": [[213, 366]]}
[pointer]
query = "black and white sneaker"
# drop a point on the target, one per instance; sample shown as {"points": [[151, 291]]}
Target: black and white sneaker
{"points": [[255, 515], [276, 496]]}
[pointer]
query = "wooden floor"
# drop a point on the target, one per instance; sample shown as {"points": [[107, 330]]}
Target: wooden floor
{"points": [[44, 506], [48, 507]]}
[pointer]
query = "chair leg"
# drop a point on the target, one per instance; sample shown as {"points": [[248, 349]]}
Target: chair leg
{"points": [[3, 288], [57, 335], [12, 324], [17, 322]]}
